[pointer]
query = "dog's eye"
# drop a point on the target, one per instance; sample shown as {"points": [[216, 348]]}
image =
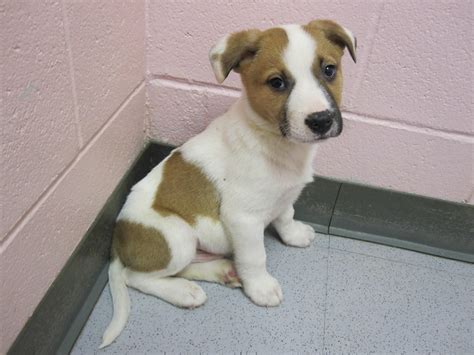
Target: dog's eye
{"points": [[277, 84], [329, 72]]}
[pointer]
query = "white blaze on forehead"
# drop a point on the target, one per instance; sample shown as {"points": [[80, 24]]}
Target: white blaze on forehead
{"points": [[307, 96]]}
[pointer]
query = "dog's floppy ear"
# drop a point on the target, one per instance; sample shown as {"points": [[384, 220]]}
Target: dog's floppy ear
{"points": [[337, 34], [231, 51]]}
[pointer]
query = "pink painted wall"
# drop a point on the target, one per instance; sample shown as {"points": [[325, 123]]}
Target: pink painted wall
{"points": [[73, 100], [407, 103]]}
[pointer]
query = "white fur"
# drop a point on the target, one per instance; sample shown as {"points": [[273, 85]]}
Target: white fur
{"points": [[294, 233], [307, 96], [221, 271], [175, 290], [212, 237], [121, 302]]}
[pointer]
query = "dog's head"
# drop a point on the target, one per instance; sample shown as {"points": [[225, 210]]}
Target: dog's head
{"points": [[291, 74]]}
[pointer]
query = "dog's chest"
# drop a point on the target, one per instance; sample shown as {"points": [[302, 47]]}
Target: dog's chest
{"points": [[262, 188]]}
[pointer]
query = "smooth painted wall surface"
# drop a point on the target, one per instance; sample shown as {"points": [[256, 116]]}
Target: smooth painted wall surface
{"points": [[73, 109], [408, 103]]}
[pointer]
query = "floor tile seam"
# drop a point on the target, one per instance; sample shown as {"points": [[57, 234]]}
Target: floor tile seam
{"points": [[333, 210], [402, 262], [326, 285]]}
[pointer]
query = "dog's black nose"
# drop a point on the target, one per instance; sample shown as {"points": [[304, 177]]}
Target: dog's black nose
{"points": [[320, 122]]}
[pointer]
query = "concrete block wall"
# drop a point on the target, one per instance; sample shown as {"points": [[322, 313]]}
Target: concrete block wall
{"points": [[73, 109], [408, 105]]}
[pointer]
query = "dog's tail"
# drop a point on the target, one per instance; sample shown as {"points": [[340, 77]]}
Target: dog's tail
{"points": [[121, 302]]}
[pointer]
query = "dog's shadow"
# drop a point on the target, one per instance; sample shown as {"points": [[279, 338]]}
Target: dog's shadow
{"points": [[270, 232]]}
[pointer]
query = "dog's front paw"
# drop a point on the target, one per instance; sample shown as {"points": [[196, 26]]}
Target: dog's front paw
{"points": [[297, 234], [263, 291]]}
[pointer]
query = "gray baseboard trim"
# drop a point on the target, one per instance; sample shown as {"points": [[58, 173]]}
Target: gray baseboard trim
{"points": [[340, 208], [84, 313], [405, 221]]}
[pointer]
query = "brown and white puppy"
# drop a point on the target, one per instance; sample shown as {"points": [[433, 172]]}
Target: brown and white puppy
{"points": [[219, 191]]}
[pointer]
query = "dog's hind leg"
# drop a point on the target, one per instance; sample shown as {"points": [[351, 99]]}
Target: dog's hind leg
{"points": [[161, 283], [221, 271], [175, 290]]}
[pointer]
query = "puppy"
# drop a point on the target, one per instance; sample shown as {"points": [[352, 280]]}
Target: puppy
{"points": [[216, 193]]}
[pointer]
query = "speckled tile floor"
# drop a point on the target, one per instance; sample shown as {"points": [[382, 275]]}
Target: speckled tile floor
{"points": [[340, 296]]}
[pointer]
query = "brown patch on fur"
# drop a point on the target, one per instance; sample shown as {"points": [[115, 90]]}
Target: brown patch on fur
{"points": [[140, 248], [239, 47], [185, 191], [336, 34], [328, 52], [255, 73]]}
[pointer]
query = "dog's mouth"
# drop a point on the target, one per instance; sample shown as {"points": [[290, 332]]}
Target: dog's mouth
{"points": [[334, 132], [308, 140], [308, 136]]}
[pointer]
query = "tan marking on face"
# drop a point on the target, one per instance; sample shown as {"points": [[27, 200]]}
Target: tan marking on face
{"points": [[255, 73], [186, 191], [327, 52], [337, 34], [139, 247], [239, 47]]}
